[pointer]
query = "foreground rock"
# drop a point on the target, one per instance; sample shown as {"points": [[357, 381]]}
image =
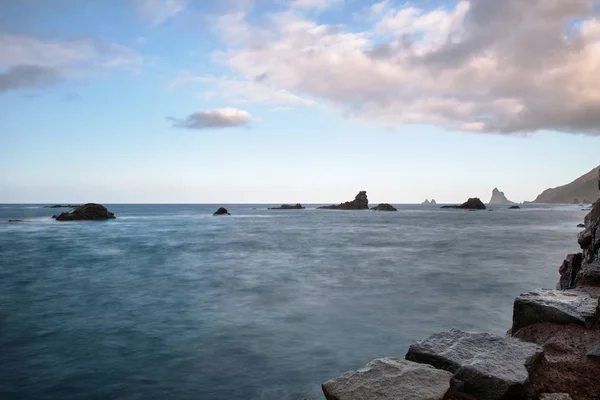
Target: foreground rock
{"points": [[491, 367], [221, 211], [384, 207], [555, 306], [87, 212], [390, 379], [555, 396], [360, 202], [471, 204], [498, 197], [298, 206]]}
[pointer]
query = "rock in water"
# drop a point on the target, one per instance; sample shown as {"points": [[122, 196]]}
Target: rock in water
{"points": [[514, 208], [498, 197], [471, 204], [389, 379], [491, 367], [298, 206], [581, 225], [384, 207], [87, 212], [63, 206], [221, 211], [360, 202], [12, 221], [433, 202], [556, 306], [426, 202]]}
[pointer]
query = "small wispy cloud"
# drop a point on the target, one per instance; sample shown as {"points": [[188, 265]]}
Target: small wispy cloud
{"points": [[217, 118], [158, 11], [279, 109]]}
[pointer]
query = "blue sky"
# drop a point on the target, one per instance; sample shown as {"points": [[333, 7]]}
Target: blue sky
{"points": [[295, 100]]}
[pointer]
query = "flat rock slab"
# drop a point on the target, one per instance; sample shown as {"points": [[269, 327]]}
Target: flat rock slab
{"points": [[556, 306], [390, 379], [491, 367], [555, 396]]}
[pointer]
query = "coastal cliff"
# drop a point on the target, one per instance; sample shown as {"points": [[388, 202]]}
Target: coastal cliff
{"points": [[582, 189], [552, 350]]}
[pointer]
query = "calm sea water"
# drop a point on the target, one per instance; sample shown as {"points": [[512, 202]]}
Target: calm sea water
{"points": [[168, 302]]}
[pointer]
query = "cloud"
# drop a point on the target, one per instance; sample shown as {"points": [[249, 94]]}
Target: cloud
{"points": [[279, 109], [508, 66], [214, 119], [33, 62], [157, 12], [318, 5]]}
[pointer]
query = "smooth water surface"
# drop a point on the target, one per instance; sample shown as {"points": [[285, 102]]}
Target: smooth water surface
{"points": [[168, 302]]}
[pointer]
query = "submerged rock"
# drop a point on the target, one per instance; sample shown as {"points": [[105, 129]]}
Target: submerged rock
{"points": [[389, 379], [514, 208], [87, 212], [360, 202], [384, 207], [12, 221], [556, 306], [491, 367], [298, 206], [221, 211], [471, 204]]}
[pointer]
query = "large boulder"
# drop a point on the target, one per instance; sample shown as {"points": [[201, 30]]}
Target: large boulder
{"points": [[556, 306], [390, 379], [491, 367], [569, 270], [221, 211], [87, 212], [298, 206], [471, 204], [360, 202], [384, 207]]}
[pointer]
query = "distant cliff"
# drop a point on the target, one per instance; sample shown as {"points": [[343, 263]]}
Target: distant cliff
{"points": [[498, 197], [584, 189]]}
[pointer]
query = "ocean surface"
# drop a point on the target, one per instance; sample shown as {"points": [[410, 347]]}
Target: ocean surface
{"points": [[168, 302]]}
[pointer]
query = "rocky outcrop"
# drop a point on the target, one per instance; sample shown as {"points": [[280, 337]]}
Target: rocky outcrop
{"points": [[584, 188], [426, 202], [384, 207], [389, 379], [498, 197], [87, 212], [221, 211], [491, 367], [433, 202], [298, 206], [360, 202], [471, 204]]}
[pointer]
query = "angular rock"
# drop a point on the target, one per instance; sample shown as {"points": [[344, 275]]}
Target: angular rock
{"points": [[569, 270], [384, 207], [498, 197], [360, 202], [87, 212], [298, 206], [585, 238], [433, 202], [426, 202], [594, 350], [389, 379], [471, 204], [221, 211], [491, 367], [555, 396], [555, 306], [589, 273]]}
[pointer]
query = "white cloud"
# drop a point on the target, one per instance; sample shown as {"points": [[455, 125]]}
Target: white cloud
{"points": [[318, 5], [217, 118], [502, 66], [158, 11], [279, 109]]}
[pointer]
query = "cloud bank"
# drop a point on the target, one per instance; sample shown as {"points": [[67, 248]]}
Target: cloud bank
{"points": [[218, 118], [508, 66]]}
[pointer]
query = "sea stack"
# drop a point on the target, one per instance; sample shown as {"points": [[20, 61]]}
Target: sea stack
{"points": [[498, 197], [426, 202], [360, 202], [384, 207], [87, 212]]}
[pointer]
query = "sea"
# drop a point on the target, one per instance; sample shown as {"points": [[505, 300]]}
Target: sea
{"points": [[169, 302]]}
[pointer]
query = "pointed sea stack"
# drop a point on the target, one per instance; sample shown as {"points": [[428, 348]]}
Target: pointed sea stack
{"points": [[360, 202], [87, 212], [498, 197]]}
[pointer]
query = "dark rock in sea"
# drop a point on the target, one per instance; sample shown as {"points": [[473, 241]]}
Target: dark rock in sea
{"points": [[15, 220], [221, 211], [87, 212], [556, 306], [384, 207], [389, 379], [471, 204], [63, 206], [298, 206], [568, 271], [491, 367], [514, 208], [360, 202], [581, 225], [593, 350]]}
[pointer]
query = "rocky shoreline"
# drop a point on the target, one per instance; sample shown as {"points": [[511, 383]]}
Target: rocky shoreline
{"points": [[551, 352]]}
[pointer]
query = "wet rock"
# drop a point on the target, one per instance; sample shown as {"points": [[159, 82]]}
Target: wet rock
{"points": [[87, 212], [360, 202], [384, 207], [491, 367], [471, 204], [221, 211], [569, 270], [556, 306], [389, 379], [555, 396], [298, 206]]}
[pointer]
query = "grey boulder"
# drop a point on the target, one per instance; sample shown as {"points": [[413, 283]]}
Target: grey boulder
{"points": [[556, 306], [491, 367], [390, 379]]}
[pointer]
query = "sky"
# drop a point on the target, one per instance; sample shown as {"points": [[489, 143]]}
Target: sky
{"points": [[268, 101]]}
